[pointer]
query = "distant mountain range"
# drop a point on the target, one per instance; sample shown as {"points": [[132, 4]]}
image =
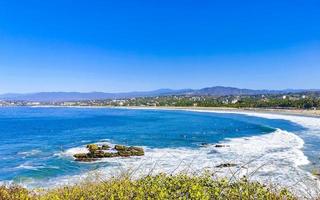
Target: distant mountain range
{"points": [[78, 96]]}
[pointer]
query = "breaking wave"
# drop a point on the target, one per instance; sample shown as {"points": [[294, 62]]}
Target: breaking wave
{"points": [[271, 158]]}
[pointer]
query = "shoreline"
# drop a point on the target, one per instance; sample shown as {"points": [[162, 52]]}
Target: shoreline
{"points": [[293, 112]]}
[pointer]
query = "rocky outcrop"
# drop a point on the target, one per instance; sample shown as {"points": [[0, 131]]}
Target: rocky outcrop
{"points": [[105, 147], [97, 152]]}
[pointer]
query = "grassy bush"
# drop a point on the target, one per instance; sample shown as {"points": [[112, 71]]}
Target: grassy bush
{"points": [[14, 192], [154, 187]]}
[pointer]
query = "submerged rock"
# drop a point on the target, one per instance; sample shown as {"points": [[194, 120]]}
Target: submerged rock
{"points": [[226, 165], [213, 152], [221, 145], [316, 172], [204, 144], [97, 152], [86, 159]]}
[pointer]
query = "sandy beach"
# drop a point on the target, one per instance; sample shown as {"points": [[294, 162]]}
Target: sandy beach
{"points": [[297, 112]]}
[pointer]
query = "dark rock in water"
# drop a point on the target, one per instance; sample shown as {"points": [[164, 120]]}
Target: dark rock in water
{"points": [[105, 147], [125, 153], [221, 145], [109, 155], [316, 172], [135, 148], [97, 152], [226, 165], [136, 151], [80, 155], [204, 144], [213, 152], [84, 157], [120, 147]]}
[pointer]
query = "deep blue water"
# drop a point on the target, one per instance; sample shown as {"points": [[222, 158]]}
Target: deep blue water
{"points": [[31, 138]]}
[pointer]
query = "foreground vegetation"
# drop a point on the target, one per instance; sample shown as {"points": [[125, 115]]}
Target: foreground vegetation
{"points": [[154, 187]]}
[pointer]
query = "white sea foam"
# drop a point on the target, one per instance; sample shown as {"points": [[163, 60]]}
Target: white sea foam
{"points": [[28, 166], [29, 153], [31, 166], [274, 157], [70, 152], [307, 122]]}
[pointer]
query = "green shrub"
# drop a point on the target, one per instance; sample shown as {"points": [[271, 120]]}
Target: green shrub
{"points": [[14, 192], [155, 187], [92, 148]]}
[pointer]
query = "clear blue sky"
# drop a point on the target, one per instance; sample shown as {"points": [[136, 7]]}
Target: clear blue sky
{"points": [[114, 45]]}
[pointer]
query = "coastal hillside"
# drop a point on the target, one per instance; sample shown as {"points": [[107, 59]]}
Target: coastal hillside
{"points": [[216, 91]]}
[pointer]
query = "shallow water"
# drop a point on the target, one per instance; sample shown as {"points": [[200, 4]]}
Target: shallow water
{"points": [[37, 144]]}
